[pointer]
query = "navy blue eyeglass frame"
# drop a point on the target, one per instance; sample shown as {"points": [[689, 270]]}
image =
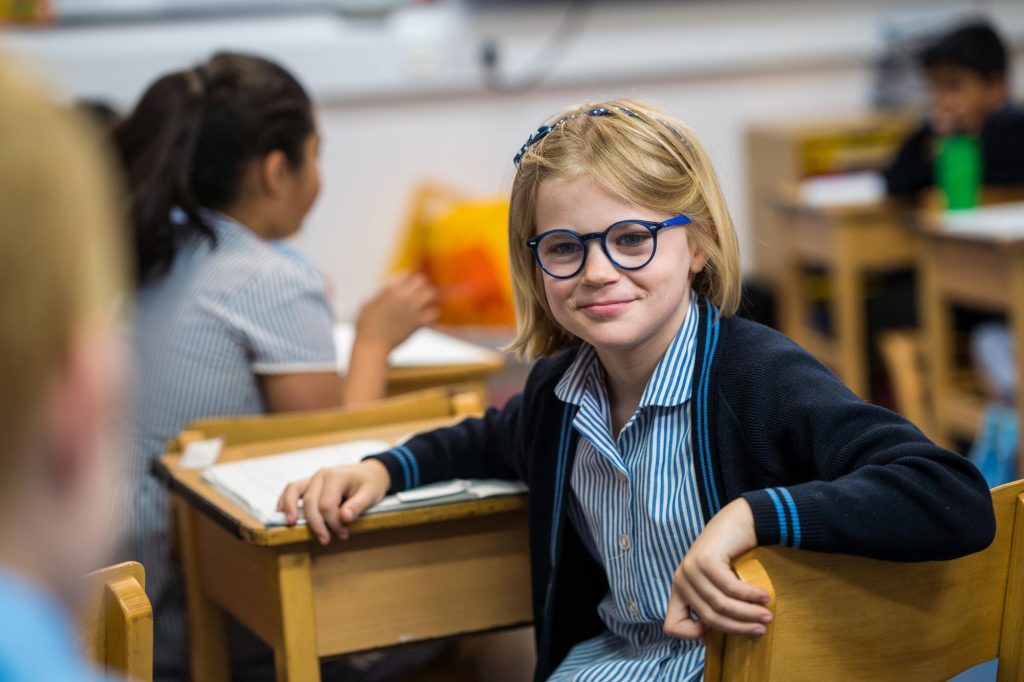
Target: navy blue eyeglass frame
{"points": [[654, 227]]}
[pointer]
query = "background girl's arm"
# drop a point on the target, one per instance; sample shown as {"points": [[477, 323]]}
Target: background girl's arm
{"points": [[405, 304]]}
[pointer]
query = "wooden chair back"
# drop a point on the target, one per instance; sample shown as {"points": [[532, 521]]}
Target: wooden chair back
{"points": [[904, 358], [431, 403], [841, 617], [116, 623]]}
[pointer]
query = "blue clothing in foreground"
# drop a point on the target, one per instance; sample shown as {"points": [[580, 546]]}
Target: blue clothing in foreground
{"points": [[36, 640]]}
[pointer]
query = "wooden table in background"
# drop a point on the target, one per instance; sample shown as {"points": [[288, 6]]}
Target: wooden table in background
{"points": [[849, 242], [473, 375], [978, 272], [402, 576]]}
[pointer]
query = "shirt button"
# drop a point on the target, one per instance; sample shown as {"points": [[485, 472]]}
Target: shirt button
{"points": [[624, 543], [634, 608], [621, 476]]}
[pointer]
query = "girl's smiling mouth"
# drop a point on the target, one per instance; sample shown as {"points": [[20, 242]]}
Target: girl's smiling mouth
{"points": [[605, 309]]}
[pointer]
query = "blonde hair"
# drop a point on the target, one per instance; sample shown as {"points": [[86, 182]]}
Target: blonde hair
{"points": [[639, 153], [61, 268]]}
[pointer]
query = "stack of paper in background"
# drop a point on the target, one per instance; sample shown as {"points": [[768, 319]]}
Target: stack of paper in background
{"points": [[256, 484], [844, 189], [426, 347]]}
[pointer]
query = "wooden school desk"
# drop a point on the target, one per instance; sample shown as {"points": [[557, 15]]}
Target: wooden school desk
{"points": [[849, 242], [403, 576], [982, 269], [470, 368], [786, 152]]}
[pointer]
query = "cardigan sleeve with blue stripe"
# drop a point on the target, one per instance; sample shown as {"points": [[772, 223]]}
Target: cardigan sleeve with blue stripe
{"points": [[854, 477], [482, 447]]}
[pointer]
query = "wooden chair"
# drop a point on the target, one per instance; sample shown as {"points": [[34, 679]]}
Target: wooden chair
{"points": [[904, 358], [840, 617], [116, 623], [426, 404]]}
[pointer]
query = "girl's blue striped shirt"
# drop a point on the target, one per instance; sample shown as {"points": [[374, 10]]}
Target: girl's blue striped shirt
{"points": [[634, 501]]}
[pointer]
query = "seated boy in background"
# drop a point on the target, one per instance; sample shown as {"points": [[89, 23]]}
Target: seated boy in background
{"points": [[968, 81], [60, 377], [970, 94]]}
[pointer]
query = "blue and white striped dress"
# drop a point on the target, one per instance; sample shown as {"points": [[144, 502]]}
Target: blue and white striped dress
{"points": [[203, 335], [635, 504]]}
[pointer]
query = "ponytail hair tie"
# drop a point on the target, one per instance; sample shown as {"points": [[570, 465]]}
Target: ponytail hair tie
{"points": [[199, 82]]}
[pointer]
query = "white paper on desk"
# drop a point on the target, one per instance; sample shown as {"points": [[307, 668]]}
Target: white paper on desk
{"points": [[843, 190], [424, 348], [1001, 221], [257, 483]]}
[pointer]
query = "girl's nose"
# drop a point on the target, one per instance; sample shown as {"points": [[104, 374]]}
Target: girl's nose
{"points": [[598, 270]]}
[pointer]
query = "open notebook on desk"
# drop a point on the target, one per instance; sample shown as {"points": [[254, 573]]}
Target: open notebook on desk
{"points": [[426, 347], [257, 483]]}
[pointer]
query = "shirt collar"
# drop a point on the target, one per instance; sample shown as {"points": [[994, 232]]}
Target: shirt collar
{"points": [[669, 386], [671, 382]]}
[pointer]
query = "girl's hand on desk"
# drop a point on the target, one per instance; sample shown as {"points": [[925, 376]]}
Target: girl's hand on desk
{"points": [[706, 586], [405, 304], [335, 497]]}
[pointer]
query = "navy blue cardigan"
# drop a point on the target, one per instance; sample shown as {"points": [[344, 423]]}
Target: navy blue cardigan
{"points": [[822, 469]]}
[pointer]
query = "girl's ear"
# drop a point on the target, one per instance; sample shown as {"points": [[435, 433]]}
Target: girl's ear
{"points": [[274, 172], [698, 258]]}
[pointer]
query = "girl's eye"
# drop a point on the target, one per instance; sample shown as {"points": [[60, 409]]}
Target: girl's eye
{"points": [[633, 239], [563, 249]]}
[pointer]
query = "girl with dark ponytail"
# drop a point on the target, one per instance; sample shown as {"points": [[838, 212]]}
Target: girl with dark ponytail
{"points": [[221, 160]]}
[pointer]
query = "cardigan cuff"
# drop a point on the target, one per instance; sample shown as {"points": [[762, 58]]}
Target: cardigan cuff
{"points": [[768, 521], [788, 516], [402, 467]]}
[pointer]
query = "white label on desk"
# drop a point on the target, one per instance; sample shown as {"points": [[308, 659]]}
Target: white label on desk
{"points": [[201, 454]]}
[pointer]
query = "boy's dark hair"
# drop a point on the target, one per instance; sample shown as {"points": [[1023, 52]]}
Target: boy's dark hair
{"points": [[188, 142], [975, 46]]}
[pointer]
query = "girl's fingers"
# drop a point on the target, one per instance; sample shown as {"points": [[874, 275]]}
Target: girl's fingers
{"points": [[311, 505], [677, 619], [729, 583], [721, 612], [330, 501], [355, 505], [721, 604], [289, 500]]}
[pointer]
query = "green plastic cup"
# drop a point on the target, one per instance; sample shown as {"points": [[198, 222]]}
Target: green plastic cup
{"points": [[958, 171]]}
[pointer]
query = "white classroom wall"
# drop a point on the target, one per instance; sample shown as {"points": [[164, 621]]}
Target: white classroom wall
{"points": [[403, 102]]}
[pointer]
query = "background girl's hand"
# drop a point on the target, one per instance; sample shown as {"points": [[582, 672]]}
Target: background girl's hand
{"points": [[334, 497], [405, 304], [706, 584]]}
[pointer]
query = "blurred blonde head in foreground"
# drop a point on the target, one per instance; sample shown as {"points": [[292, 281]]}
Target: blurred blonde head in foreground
{"points": [[61, 371]]}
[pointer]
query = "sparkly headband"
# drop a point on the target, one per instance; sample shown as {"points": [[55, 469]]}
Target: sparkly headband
{"points": [[543, 131]]}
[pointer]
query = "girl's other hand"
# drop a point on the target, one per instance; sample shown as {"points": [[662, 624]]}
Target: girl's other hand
{"points": [[405, 304], [705, 585], [334, 497]]}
